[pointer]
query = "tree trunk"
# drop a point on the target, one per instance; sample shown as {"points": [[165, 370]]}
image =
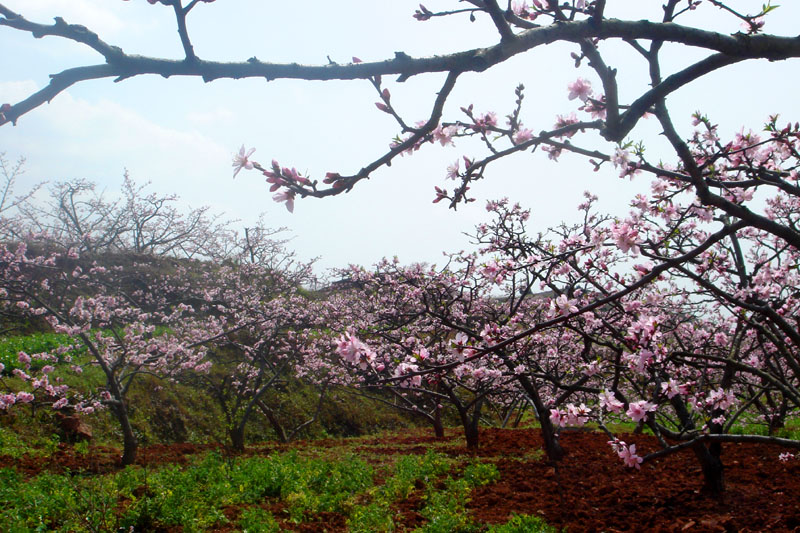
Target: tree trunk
{"points": [[130, 444], [470, 425], [236, 434], [438, 428], [712, 467], [471, 434], [274, 422], [708, 457], [551, 446]]}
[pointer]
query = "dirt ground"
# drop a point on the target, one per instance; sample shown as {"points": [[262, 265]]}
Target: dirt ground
{"points": [[590, 490]]}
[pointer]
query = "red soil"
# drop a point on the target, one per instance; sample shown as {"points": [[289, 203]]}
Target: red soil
{"points": [[100, 459], [593, 491], [589, 491]]}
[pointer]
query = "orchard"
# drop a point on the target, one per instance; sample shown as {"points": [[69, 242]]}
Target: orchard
{"points": [[658, 313]]}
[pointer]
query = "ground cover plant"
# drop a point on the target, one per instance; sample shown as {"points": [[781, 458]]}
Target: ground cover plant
{"points": [[394, 482]]}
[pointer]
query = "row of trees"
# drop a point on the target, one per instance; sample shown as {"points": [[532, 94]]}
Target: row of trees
{"points": [[660, 318], [75, 215], [679, 315]]}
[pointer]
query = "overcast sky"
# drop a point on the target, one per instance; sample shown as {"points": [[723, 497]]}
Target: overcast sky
{"points": [[181, 134]]}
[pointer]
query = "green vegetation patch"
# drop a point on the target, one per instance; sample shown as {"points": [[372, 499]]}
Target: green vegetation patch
{"points": [[523, 524], [35, 343], [445, 507], [192, 497]]}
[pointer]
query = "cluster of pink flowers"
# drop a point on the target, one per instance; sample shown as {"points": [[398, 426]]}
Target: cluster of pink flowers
{"points": [[638, 411], [571, 415], [608, 401], [626, 453], [354, 351]]}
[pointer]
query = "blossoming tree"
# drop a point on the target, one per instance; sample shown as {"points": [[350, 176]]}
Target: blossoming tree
{"points": [[411, 331], [127, 331]]}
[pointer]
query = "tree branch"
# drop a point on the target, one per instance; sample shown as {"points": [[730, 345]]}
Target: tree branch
{"points": [[121, 66]]}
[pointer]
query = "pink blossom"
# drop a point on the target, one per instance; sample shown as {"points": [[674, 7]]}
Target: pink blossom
{"points": [[556, 419], [592, 368], [24, 397], [487, 120], [595, 108], [349, 347], [753, 25], [738, 195], [616, 444], [629, 457], [562, 121], [408, 368], [493, 272], [61, 402], [553, 152], [637, 411], [452, 170], [581, 89], [577, 415], [285, 196], [563, 306], [354, 351], [7, 400], [445, 135], [720, 399], [671, 388], [608, 401], [522, 136], [241, 160], [626, 237], [620, 158]]}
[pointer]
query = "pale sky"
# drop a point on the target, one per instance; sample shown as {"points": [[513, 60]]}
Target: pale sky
{"points": [[181, 134]]}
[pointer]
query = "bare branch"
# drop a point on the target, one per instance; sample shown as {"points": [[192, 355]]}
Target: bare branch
{"points": [[121, 66]]}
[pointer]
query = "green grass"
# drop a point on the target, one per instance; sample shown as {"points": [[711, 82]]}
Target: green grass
{"points": [[790, 431], [33, 344]]}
